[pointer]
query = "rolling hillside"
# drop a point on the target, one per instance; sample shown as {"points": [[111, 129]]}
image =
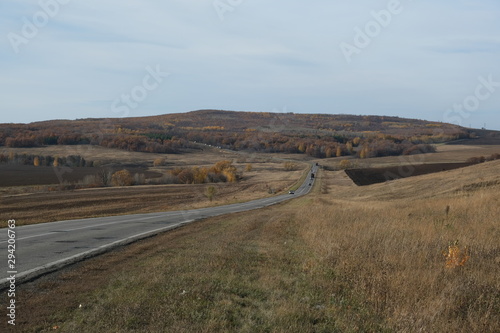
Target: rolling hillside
{"points": [[316, 135]]}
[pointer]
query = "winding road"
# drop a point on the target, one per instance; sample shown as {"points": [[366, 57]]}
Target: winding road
{"points": [[46, 247]]}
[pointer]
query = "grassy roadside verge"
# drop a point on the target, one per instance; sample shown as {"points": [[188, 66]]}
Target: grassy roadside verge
{"points": [[245, 273], [302, 179]]}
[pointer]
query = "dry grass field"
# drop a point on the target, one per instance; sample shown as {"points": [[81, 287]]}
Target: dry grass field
{"points": [[204, 155], [43, 203], [446, 153], [38, 207], [103, 155], [420, 254]]}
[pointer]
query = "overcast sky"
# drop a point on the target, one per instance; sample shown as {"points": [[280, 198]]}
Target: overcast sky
{"points": [[426, 59]]}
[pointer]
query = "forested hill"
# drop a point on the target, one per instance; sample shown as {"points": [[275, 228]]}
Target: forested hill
{"points": [[318, 135]]}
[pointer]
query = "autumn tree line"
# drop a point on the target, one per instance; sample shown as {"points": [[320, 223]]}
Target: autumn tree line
{"points": [[318, 147], [319, 136], [132, 142], [73, 161]]}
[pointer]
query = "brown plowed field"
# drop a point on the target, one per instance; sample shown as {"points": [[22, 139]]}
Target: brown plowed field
{"points": [[371, 176], [66, 205]]}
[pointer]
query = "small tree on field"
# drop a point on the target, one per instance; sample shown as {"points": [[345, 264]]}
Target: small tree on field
{"points": [[186, 176], [349, 147], [338, 153], [227, 169], [122, 178], [139, 179], [290, 166], [364, 152], [103, 177], [160, 162], [36, 161], [345, 164], [210, 192]]}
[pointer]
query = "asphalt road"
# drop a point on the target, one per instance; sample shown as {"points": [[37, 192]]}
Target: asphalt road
{"points": [[42, 248]]}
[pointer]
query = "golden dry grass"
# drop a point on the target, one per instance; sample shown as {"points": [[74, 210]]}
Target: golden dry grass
{"points": [[205, 155], [343, 259], [444, 154], [441, 184], [392, 254]]}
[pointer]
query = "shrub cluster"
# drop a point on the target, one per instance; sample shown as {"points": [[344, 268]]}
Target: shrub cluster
{"points": [[482, 159], [223, 171]]}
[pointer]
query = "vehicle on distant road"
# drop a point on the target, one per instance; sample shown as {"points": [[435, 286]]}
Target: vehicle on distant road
{"points": [[291, 192]]}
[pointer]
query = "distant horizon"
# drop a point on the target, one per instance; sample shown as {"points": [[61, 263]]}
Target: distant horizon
{"points": [[273, 112]]}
